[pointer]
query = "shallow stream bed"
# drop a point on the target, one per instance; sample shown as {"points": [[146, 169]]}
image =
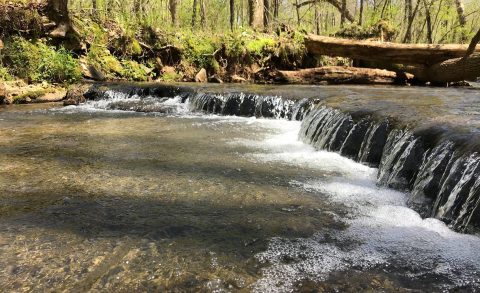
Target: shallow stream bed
{"points": [[119, 201]]}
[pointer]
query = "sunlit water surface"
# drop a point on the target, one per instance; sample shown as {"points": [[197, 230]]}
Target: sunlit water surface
{"points": [[94, 199]]}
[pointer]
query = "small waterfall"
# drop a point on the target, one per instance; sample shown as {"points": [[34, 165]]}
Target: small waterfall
{"points": [[428, 183], [241, 104], [442, 177], [373, 143], [444, 183], [460, 191]]}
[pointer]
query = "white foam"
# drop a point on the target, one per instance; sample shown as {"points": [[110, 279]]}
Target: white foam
{"points": [[130, 103], [381, 230], [282, 146]]}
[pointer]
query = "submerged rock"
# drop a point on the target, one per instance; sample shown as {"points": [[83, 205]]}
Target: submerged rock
{"points": [[76, 95]]}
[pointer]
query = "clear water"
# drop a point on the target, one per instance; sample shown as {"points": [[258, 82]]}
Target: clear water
{"points": [[100, 198]]}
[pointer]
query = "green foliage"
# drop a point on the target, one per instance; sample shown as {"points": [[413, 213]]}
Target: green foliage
{"points": [[199, 49], [5, 74], [261, 45], [235, 44], [380, 30], [35, 61], [135, 71], [100, 58], [127, 46], [171, 76]]}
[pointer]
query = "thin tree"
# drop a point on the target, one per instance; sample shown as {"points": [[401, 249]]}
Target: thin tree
{"points": [[194, 13], [203, 13], [462, 19], [342, 13], [411, 18], [360, 17], [297, 5], [232, 14], [428, 20], [266, 14], [94, 8], [276, 4], [317, 19], [172, 6]]}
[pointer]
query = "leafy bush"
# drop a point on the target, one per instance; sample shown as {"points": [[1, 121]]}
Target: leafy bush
{"points": [[135, 71], [261, 46], [4, 74], [35, 62], [198, 49]]}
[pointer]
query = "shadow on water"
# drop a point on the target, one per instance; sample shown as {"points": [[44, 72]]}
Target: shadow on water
{"points": [[88, 201]]}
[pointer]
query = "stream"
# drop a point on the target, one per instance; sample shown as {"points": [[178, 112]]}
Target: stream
{"points": [[132, 192]]}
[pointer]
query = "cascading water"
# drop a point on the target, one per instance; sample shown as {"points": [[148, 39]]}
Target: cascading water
{"points": [[448, 191], [444, 183]]}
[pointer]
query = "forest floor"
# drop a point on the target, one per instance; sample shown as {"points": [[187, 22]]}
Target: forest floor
{"points": [[34, 63], [36, 66]]}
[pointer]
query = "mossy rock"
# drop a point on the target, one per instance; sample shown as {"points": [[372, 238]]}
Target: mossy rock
{"points": [[133, 70], [127, 46], [29, 96]]}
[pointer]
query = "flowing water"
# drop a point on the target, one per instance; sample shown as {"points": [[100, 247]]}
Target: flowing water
{"points": [[144, 193]]}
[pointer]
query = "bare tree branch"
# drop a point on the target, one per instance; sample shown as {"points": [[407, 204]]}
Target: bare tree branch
{"points": [[473, 44], [334, 3]]}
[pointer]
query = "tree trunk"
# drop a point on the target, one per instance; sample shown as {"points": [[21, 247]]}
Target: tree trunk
{"points": [[232, 14], [94, 8], [266, 14], [255, 13], [203, 14], [57, 10], [415, 54], [139, 9], [434, 63], [194, 13], [172, 6], [337, 75], [428, 19], [462, 19], [360, 18], [343, 12], [411, 18], [298, 11], [276, 8]]}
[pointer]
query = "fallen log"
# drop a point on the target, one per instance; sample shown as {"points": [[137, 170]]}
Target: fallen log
{"points": [[452, 70], [407, 54], [339, 75]]}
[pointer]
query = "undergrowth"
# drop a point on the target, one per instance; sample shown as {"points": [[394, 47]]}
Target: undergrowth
{"points": [[141, 53], [35, 61]]}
